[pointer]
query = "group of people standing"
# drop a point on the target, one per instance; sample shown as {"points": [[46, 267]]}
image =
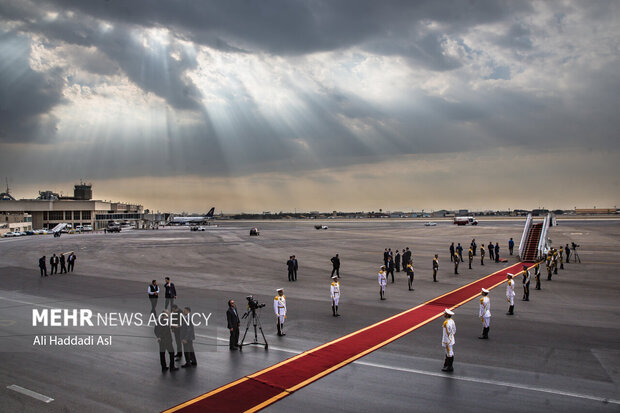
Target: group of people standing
{"points": [[456, 253], [553, 259], [66, 262], [172, 322]]}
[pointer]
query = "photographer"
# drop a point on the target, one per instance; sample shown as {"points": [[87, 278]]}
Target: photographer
{"points": [[233, 325]]}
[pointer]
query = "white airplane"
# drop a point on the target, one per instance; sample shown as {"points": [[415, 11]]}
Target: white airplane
{"points": [[194, 219]]}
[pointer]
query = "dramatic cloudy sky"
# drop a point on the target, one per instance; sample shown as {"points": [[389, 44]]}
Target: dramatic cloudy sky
{"points": [[281, 104]]}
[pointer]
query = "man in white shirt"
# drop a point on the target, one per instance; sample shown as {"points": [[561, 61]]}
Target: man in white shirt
{"points": [[447, 341], [485, 313], [382, 279], [510, 294], [334, 290], [279, 307]]}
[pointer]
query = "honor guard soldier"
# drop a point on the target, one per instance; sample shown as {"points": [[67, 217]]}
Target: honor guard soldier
{"points": [[334, 290], [510, 294], [549, 271], [485, 313], [435, 267], [526, 284], [482, 255], [537, 275], [279, 307], [549, 255], [471, 257], [410, 275], [447, 341], [456, 263], [554, 261], [382, 279]]}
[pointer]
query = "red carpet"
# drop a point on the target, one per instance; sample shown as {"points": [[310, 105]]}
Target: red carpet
{"points": [[258, 390]]}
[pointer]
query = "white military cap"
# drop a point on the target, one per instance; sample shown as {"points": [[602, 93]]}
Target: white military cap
{"points": [[484, 290], [335, 277], [279, 289], [448, 312]]}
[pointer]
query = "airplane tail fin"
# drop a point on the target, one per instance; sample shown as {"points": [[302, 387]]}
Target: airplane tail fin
{"points": [[211, 212]]}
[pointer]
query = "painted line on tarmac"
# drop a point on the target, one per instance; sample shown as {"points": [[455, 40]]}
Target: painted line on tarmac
{"points": [[25, 302], [460, 378], [30, 393], [496, 383]]}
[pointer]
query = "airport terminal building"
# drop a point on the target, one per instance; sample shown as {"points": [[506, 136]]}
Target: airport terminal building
{"points": [[49, 210]]}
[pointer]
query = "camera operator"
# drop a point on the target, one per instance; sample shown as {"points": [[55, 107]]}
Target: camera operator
{"points": [[233, 325], [577, 258]]}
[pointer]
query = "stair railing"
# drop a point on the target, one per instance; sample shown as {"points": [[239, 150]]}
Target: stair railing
{"points": [[543, 245], [526, 232]]}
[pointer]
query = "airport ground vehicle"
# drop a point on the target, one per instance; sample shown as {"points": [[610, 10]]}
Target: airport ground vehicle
{"points": [[254, 232], [465, 221], [199, 228], [321, 226], [114, 228], [430, 224]]}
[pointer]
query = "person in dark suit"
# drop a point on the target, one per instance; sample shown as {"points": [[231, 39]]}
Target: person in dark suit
{"points": [[406, 256], [386, 254], [511, 246], [473, 246], [497, 252], [291, 268], [491, 252], [153, 290], [164, 338], [188, 337], [54, 264], [175, 327], [452, 250], [43, 266], [390, 269], [71, 261], [295, 268], [170, 294], [335, 266], [233, 325], [397, 261], [63, 266]]}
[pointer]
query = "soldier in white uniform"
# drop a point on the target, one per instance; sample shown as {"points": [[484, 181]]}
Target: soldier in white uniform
{"points": [[447, 341], [334, 290], [382, 279], [279, 307], [510, 294], [485, 313]]}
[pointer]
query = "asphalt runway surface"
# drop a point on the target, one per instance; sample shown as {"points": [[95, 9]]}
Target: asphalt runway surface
{"points": [[560, 352]]}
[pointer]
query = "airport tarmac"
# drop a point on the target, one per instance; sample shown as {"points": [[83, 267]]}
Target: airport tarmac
{"points": [[560, 351]]}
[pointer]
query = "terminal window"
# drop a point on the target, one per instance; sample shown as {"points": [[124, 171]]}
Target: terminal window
{"points": [[68, 215], [76, 215], [86, 215], [55, 216]]}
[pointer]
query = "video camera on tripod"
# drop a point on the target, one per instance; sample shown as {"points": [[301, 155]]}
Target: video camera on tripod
{"points": [[253, 305], [254, 320]]}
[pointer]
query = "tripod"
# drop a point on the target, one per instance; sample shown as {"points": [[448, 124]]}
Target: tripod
{"points": [[576, 255], [254, 319]]}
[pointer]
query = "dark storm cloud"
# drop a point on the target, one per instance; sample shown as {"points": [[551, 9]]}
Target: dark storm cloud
{"points": [[27, 96], [323, 133], [298, 27]]}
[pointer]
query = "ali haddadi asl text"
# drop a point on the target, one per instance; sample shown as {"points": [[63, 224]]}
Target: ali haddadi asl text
{"points": [[72, 341]]}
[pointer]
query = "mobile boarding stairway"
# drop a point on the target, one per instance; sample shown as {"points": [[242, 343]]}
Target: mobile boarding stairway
{"points": [[534, 241]]}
